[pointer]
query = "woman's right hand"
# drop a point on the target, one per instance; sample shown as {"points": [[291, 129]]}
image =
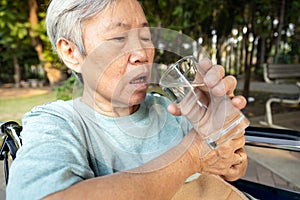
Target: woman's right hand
{"points": [[217, 95]]}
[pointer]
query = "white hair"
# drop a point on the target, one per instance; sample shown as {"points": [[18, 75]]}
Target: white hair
{"points": [[64, 18]]}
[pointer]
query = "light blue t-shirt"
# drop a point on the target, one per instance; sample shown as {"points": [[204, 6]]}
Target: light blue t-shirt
{"points": [[65, 142]]}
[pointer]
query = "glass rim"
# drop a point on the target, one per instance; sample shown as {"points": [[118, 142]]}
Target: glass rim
{"points": [[172, 66]]}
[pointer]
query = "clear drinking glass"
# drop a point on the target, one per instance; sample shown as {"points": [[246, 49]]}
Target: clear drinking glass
{"points": [[213, 116]]}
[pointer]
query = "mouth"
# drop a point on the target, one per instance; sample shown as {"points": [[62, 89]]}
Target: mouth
{"points": [[139, 80]]}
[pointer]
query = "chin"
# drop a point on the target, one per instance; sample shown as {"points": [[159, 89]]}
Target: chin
{"points": [[138, 98]]}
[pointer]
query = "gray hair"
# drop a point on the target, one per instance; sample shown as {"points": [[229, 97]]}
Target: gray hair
{"points": [[64, 18]]}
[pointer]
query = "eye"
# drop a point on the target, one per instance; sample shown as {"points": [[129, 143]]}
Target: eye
{"points": [[145, 35], [118, 39], [146, 39]]}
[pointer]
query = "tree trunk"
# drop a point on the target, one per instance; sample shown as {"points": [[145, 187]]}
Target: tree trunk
{"points": [[17, 71], [34, 21], [280, 26], [243, 53], [54, 75], [246, 90], [247, 73], [262, 51]]}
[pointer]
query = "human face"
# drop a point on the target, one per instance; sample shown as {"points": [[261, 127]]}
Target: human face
{"points": [[117, 69]]}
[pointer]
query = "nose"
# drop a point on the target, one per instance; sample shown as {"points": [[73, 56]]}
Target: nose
{"points": [[140, 47], [138, 55]]}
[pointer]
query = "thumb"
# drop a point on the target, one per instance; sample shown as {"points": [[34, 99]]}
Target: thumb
{"points": [[174, 110]]}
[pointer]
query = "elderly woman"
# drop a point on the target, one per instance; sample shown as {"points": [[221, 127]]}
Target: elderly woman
{"points": [[115, 141]]}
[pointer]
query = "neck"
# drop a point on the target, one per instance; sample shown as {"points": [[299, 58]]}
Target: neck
{"points": [[107, 107]]}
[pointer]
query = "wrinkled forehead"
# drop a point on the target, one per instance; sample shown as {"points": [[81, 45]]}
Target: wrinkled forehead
{"points": [[120, 14]]}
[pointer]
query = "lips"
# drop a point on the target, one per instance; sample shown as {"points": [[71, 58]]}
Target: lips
{"points": [[139, 80]]}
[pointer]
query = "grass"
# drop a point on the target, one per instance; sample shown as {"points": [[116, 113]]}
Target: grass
{"points": [[14, 108]]}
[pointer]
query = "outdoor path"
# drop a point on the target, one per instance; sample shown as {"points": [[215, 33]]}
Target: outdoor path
{"points": [[276, 168], [273, 167], [7, 92]]}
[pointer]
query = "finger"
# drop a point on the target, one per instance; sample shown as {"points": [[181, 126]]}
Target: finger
{"points": [[242, 152], [230, 85], [238, 170], [239, 102], [226, 150], [238, 159], [240, 156], [214, 75], [239, 142], [234, 173], [240, 136], [205, 64], [202, 96], [226, 86], [228, 169], [174, 110]]}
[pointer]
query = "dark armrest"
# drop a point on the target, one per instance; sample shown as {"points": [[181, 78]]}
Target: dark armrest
{"points": [[273, 138]]}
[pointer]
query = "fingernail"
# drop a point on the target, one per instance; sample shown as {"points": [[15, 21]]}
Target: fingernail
{"points": [[237, 100]]}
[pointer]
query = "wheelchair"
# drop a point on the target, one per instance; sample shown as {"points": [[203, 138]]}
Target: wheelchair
{"points": [[10, 142]]}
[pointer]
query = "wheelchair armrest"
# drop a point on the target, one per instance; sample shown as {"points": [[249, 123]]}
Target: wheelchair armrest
{"points": [[273, 138]]}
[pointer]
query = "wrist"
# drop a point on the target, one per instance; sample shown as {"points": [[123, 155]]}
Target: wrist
{"points": [[195, 150]]}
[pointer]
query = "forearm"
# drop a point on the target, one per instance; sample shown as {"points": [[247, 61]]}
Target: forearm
{"points": [[161, 178]]}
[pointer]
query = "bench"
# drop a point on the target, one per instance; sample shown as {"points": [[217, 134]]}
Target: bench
{"points": [[286, 77]]}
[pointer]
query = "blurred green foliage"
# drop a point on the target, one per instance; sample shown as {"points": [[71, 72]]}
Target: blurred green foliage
{"points": [[195, 18], [66, 90]]}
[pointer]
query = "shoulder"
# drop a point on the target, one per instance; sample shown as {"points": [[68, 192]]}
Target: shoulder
{"points": [[52, 144], [59, 108], [53, 121], [53, 113]]}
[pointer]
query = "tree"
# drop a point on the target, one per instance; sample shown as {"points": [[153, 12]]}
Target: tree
{"points": [[280, 27], [34, 29], [39, 40], [24, 42], [268, 24], [14, 33]]}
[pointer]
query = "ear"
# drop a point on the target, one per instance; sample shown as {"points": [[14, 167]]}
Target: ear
{"points": [[70, 54]]}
